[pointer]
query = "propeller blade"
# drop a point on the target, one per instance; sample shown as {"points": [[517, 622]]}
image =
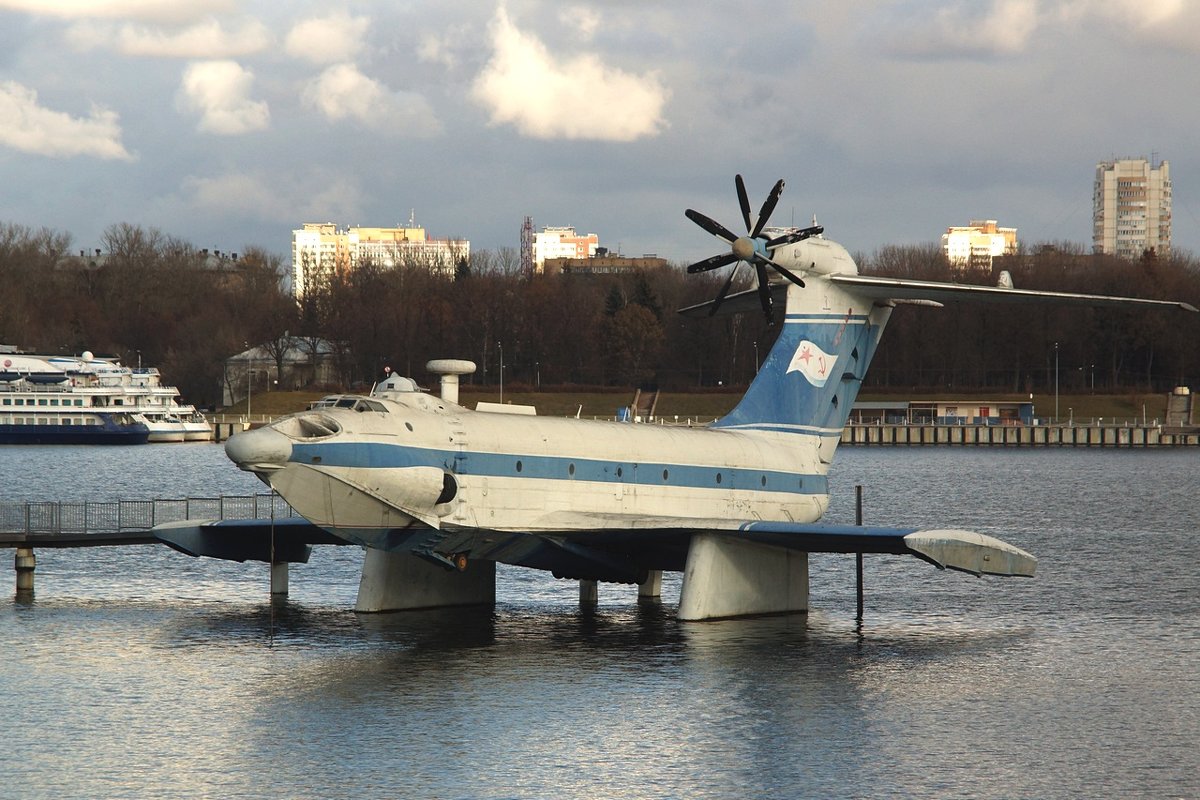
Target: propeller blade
{"points": [[716, 262], [724, 289], [743, 201], [795, 236], [764, 292], [787, 273], [710, 225], [767, 207]]}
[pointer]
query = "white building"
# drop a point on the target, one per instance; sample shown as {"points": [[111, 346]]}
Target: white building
{"points": [[562, 242], [1131, 208], [322, 248], [976, 244]]}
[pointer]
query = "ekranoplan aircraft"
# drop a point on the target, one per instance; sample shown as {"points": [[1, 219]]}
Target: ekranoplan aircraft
{"points": [[439, 493]]}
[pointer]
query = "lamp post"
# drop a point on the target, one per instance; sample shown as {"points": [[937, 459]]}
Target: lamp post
{"points": [[249, 377], [500, 347], [1056, 381], [756, 358]]}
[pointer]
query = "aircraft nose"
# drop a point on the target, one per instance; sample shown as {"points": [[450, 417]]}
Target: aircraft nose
{"points": [[259, 450]]}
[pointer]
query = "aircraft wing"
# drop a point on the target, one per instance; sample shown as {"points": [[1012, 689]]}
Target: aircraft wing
{"points": [[289, 539], [901, 289], [657, 543]]}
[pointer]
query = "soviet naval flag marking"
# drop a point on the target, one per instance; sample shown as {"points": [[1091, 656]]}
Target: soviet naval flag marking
{"points": [[813, 363]]}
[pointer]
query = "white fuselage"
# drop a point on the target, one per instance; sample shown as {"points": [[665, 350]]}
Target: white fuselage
{"points": [[527, 473]]}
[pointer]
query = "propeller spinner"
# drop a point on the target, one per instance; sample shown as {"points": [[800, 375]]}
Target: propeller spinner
{"points": [[753, 248]]}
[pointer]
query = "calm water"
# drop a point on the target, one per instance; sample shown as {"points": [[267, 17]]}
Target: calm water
{"points": [[140, 672]]}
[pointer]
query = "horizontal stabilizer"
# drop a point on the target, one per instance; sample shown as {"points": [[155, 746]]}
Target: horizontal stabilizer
{"points": [[283, 540], [878, 288]]}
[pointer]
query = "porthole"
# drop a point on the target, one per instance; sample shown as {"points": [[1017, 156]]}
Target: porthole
{"points": [[835, 401], [408, 425], [571, 469], [518, 465], [316, 459], [666, 474], [764, 480], [718, 477], [620, 472]]}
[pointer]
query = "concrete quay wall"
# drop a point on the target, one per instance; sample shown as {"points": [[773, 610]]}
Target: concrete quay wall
{"points": [[1020, 435]]}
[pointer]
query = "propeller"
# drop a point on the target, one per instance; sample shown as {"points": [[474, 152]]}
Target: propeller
{"points": [[753, 248]]}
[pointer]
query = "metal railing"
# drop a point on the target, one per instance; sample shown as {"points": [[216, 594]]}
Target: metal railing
{"points": [[131, 515]]}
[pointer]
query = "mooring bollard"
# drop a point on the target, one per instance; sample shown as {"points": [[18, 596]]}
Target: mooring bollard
{"points": [[25, 562]]}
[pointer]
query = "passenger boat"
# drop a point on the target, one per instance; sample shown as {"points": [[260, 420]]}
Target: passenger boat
{"points": [[86, 400]]}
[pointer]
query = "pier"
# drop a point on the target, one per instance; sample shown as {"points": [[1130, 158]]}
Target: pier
{"points": [[25, 526]]}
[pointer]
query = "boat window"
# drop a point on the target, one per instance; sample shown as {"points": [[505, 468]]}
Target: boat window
{"points": [[345, 402], [371, 405]]}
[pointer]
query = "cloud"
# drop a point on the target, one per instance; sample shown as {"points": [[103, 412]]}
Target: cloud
{"points": [[579, 98], [206, 39], [966, 29], [327, 40], [174, 10], [275, 197], [30, 128], [342, 92], [219, 91]]}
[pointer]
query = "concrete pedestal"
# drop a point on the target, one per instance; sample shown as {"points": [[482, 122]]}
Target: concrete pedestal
{"points": [[401, 582], [727, 577], [651, 588], [279, 578]]}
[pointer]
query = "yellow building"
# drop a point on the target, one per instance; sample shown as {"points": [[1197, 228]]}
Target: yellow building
{"points": [[321, 248]]}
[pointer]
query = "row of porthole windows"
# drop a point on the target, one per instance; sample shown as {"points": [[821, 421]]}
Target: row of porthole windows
{"points": [[666, 474]]}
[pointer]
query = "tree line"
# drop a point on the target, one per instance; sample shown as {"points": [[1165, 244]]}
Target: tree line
{"points": [[156, 298]]}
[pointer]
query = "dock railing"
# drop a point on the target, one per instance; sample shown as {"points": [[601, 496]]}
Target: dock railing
{"points": [[134, 515]]}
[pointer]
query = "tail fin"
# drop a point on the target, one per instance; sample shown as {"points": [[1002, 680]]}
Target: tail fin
{"points": [[811, 377]]}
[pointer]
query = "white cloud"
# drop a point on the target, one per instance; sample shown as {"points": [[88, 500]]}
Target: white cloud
{"points": [[342, 92], [577, 98], [220, 92], [327, 40], [206, 39], [434, 49], [957, 29], [30, 128], [168, 10], [315, 195]]}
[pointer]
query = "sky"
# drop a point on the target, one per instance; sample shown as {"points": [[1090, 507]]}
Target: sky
{"points": [[229, 123]]}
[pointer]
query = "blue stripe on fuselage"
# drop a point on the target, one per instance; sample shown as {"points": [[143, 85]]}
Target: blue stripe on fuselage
{"points": [[377, 455]]}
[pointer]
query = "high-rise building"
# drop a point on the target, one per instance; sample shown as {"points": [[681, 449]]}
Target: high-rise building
{"points": [[1131, 208], [322, 248], [976, 244]]}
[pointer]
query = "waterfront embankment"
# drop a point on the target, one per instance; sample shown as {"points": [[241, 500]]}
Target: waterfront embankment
{"points": [[1131, 435]]}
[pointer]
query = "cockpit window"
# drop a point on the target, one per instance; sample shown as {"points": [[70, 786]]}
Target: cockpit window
{"points": [[345, 402]]}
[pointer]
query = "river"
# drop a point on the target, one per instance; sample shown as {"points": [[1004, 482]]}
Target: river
{"points": [[139, 672]]}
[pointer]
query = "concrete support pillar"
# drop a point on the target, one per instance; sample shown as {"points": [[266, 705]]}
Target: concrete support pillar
{"points": [[728, 577], [589, 594], [279, 578], [651, 588], [402, 582], [25, 562]]}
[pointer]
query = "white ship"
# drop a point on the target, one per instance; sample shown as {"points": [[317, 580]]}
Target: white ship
{"points": [[85, 399]]}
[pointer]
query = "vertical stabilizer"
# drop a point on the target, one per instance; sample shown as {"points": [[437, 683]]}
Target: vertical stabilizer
{"points": [[811, 377]]}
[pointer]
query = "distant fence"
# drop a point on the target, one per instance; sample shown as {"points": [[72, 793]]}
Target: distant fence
{"points": [[129, 515]]}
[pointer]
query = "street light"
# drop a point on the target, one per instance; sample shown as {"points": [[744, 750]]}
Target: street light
{"points": [[501, 348], [1056, 381]]}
